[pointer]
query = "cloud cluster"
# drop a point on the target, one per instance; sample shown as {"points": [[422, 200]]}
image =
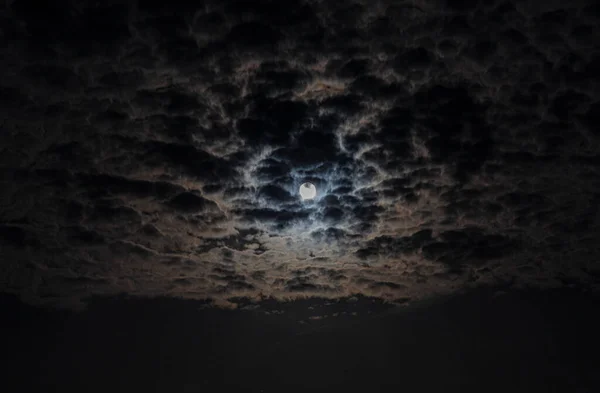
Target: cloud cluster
{"points": [[157, 148]]}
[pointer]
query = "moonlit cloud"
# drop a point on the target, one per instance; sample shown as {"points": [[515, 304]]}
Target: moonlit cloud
{"points": [[452, 144]]}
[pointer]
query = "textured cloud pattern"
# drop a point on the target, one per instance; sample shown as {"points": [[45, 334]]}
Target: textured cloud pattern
{"points": [[157, 148]]}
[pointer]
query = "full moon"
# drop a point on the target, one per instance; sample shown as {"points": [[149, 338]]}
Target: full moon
{"points": [[308, 191]]}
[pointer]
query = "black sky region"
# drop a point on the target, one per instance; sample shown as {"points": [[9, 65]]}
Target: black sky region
{"points": [[152, 237]]}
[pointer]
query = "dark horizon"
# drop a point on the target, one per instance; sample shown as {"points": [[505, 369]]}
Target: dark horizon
{"points": [[484, 340]]}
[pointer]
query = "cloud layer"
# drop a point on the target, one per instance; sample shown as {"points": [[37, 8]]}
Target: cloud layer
{"points": [[158, 148]]}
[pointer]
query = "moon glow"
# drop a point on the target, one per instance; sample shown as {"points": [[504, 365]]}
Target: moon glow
{"points": [[308, 191]]}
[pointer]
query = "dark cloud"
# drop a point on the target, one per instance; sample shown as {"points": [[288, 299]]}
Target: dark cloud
{"points": [[468, 246], [14, 236], [393, 246], [159, 147], [189, 202]]}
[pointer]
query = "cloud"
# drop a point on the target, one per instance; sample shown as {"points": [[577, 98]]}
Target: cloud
{"points": [[158, 148]]}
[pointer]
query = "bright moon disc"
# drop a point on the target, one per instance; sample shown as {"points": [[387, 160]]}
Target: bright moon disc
{"points": [[308, 191]]}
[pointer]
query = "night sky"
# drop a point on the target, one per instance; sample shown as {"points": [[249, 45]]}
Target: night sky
{"points": [[152, 234]]}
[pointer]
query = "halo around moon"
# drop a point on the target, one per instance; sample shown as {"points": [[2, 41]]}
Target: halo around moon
{"points": [[308, 191]]}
